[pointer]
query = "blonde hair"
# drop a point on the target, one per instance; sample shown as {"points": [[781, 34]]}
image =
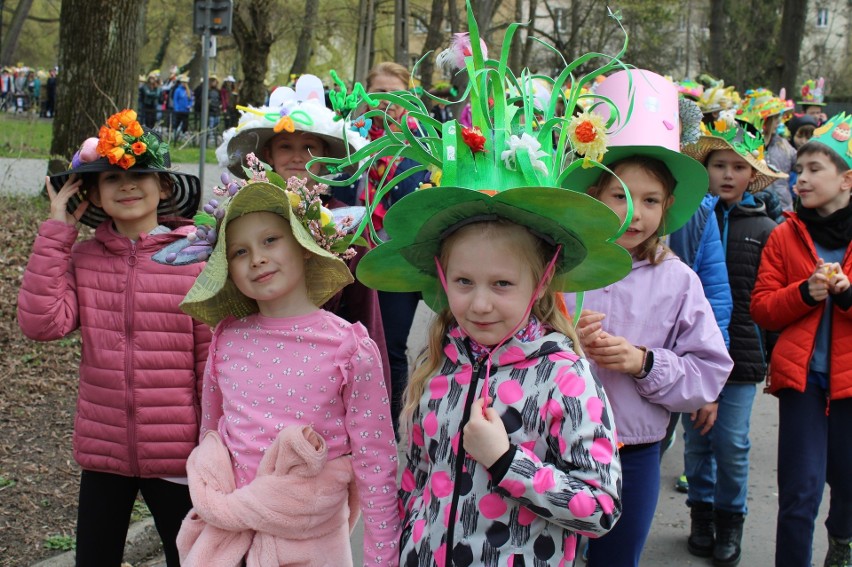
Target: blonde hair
{"points": [[652, 249], [389, 68], [537, 254]]}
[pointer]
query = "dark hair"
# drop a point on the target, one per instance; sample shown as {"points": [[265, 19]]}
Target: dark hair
{"points": [[659, 171], [820, 148]]}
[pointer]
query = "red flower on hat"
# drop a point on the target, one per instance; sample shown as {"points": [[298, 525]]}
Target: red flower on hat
{"points": [[474, 139]]}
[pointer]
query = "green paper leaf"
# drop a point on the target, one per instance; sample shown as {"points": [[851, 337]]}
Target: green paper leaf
{"points": [[202, 218], [276, 179]]}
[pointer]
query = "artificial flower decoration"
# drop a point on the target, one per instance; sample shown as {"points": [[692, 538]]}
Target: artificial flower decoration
{"points": [[329, 232], [525, 144], [587, 133], [125, 143], [474, 139], [361, 125]]}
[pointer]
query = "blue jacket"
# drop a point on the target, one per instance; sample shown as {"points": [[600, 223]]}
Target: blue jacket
{"points": [[182, 99], [699, 245]]}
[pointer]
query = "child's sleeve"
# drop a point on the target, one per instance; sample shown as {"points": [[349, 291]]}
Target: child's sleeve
{"points": [[211, 395], [776, 300], [374, 460], [693, 369], [713, 273], [580, 489], [47, 300]]}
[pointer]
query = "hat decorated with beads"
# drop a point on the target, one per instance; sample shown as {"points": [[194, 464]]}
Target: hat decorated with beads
{"points": [[510, 164], [836, 134]]}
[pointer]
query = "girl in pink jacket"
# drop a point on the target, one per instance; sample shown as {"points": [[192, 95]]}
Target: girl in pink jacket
{"points": [[142, 358], [277, 363]]}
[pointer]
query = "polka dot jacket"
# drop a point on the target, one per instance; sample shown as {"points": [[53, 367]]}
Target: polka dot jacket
{"points": [[564, 476]]}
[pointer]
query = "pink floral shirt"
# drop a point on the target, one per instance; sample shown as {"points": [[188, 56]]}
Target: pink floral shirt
{"points": [[264, 374]]}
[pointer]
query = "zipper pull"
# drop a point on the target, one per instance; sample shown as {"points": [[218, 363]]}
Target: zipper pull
{"points": [[827, 403]]}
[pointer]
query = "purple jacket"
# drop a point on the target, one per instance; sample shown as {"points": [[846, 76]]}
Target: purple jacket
{"points": [[663, 308], [142, 359]]}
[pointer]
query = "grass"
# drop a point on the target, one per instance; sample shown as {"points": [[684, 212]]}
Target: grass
{"points": [[60, 542], [26, 136]]}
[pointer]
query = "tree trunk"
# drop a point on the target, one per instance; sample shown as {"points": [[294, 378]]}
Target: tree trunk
{"points": [[305, 48], [99, 56], [515, 54], [254, 38], [434, 42], [400, 33], [14, 31], [164, 43], [484, 11], [364, 42], [793, 32], [717, 36], [453, 14]]}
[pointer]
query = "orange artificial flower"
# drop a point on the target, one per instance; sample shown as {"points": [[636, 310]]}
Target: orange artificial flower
{"points": [[134, 129], [126, 161], [586, 132], [127, 117], [139, 148], [115, 154]]}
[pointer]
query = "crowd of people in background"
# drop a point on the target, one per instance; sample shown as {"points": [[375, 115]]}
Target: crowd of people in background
{"points": [[25, 89]]}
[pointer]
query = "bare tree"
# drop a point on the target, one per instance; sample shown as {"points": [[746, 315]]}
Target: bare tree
{"points": [[305, 47], [14, 31], [98, 76], [717, 36], [364, 43], [792, 34], [254, 34]]}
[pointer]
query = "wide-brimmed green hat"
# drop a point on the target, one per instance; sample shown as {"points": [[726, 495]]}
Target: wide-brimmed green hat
{"points": [[509, 165], [651, 130], [214, 296]]}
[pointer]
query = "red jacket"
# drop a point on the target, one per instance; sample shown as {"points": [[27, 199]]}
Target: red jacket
{"points": [[789, 258], [142, 357]]}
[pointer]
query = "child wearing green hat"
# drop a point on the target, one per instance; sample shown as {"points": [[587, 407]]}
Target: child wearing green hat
{"points": [[652, 337], [509, 438], [803, 291]]}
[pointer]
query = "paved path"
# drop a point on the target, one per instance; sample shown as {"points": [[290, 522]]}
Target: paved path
{"points": [[26, 176]]}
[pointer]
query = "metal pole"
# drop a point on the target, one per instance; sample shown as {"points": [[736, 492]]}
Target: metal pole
{"points": [[205, 90]]}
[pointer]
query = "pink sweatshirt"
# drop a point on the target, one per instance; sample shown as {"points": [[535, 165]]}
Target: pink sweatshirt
{"points": [[265, 374]]}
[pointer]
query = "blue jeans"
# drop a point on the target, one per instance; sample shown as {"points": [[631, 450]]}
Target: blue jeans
{"points": [[716, 464], [813, 448], [640, 488]]}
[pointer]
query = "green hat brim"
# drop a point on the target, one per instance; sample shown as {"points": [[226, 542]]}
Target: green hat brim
{"points": [[214, 296], [581, 224], [691, 180]]}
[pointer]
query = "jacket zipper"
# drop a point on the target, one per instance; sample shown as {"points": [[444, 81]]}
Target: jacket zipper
{"points": [[129, 398], [471, 394]]}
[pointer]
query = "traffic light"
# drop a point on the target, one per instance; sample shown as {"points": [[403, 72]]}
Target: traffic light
{"points": [[220, 16]]}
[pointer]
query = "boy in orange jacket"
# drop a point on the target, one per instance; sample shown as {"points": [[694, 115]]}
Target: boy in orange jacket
{"points": [[803, 291]]}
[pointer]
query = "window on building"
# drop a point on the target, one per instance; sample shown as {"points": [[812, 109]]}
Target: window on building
{"points": [[822, 18], [419, 26]]}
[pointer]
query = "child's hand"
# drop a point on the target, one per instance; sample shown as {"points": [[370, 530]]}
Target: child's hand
{"points": [[705, 417], [59, 200], [818, 282], [589, 327], [616, 353], [838, 282], [485, 437]]}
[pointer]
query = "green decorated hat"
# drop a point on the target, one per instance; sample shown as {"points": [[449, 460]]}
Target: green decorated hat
{"points": [[651, 130], [214, 295], [837, 135], [509, 165]]}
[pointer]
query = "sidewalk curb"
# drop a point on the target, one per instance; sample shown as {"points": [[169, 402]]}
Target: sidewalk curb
{"points": [[142, 542]]}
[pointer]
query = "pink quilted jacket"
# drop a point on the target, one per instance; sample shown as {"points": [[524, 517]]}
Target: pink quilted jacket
{"points": [[143, 358]]}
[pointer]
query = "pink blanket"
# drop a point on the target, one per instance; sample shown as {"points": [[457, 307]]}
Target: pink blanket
{"points": [[299, 510]]}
